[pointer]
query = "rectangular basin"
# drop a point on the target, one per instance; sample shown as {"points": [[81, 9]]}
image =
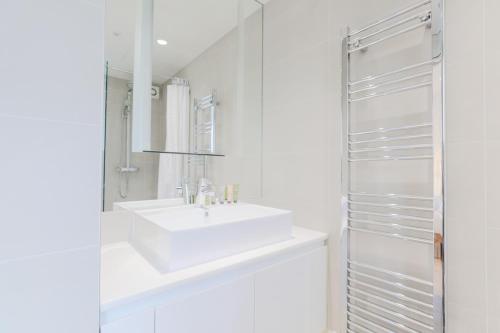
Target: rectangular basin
{"points": [[180, 237], [147, 204]]}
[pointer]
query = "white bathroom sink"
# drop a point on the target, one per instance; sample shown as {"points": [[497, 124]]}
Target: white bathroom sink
{"points": [[147, 204], [180, 237]]}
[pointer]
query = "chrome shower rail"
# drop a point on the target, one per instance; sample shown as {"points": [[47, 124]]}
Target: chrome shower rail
{"points": [[377, 299]]}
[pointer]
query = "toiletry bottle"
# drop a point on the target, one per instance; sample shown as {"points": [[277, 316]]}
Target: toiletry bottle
{"points": [[236, 192], [229, 190]]}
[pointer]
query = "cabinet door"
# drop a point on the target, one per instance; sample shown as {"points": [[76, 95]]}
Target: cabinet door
{"points": [[291, 296], [225, 309], [141, 322]]}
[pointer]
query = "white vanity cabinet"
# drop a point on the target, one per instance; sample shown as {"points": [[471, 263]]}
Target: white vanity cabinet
{"points": [[225, 309], [139, 322], [291, 296], [281, 291]]}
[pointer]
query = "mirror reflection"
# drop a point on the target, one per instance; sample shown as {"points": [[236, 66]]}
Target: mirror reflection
{"points": [[205, 113]]}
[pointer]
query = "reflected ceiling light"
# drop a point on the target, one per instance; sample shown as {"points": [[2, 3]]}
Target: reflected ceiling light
{"points": [[161, 42]]}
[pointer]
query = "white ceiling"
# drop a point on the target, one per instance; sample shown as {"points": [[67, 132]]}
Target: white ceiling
{"points": [[189, 26]]}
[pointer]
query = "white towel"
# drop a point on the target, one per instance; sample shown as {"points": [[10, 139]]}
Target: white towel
{"points": [[171, 168]]}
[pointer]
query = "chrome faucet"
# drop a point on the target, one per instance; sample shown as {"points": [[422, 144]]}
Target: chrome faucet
{"points": [[186, 193]]}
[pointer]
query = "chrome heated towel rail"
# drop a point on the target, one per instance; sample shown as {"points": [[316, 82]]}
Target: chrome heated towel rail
{"points": [[378, 297]]}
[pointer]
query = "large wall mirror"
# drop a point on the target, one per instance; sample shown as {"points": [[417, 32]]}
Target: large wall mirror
{"points": [[184, 98]]}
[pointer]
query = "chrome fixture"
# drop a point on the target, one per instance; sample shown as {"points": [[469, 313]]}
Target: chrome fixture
{"points": [[377, 297], [204, 123], [126, 139], [126, 150], [204, 133], [185, 191]]}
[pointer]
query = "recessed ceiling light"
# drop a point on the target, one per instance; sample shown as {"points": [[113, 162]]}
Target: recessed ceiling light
{"points": [[161, 42]]}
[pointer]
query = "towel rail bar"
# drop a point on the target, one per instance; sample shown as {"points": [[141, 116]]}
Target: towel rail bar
{"points": [[391, 17], [401, 306], [392, 313], [397, 71]]}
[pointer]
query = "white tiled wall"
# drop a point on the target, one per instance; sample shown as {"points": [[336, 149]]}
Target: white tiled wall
{"points": [[473, 119], [50, 136], [238, 131], [301, 122], [491, 146]]}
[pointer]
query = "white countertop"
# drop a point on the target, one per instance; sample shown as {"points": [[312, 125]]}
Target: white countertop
{"points": [[126, 277]]}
